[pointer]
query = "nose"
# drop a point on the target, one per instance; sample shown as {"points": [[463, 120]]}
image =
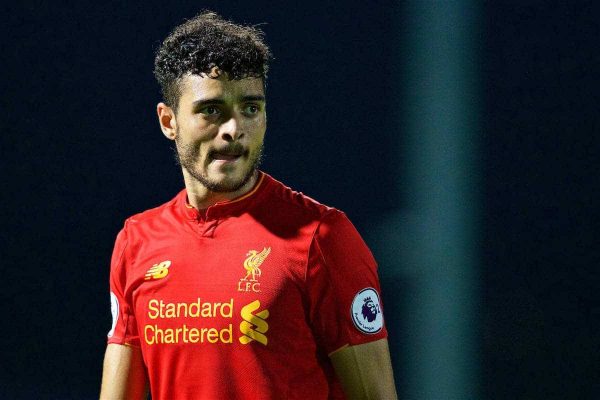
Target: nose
{"points": [[229, 130]]}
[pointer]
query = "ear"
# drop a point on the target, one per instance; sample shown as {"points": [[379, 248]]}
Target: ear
{"points": [[167, 121]]}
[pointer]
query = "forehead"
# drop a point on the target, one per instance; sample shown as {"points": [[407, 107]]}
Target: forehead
{"points": [[202, 87]]}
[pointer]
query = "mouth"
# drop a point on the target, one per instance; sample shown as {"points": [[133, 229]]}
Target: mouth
{"points": [[225, 157], [228, 154]]}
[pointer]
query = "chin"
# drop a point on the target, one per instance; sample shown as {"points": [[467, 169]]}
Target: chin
{"points": [[223, 182], [228, 177]]}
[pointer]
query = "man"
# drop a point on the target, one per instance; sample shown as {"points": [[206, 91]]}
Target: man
{"points": [[239, 287]]}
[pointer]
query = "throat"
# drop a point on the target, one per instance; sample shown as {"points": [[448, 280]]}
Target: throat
{"points": [[201, 196]]}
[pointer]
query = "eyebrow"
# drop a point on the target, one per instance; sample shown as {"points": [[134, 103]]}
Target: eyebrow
{"points": [[253, 98], [244, 99]]}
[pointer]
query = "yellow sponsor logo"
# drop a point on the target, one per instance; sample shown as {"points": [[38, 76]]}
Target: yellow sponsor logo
{"points": [[203, 322], [254, 326], [196, 309], [158, 271], [252, 266], [153, 334], [197, 313]]}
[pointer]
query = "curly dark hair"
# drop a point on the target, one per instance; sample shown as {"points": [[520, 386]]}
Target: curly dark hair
{"points": [[205, 42]]}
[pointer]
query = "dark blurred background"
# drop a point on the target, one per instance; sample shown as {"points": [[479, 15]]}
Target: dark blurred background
{"points": [[470, 125]]}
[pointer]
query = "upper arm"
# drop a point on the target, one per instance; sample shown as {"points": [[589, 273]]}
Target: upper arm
{"points": [[124, 374], [365, 370], [344, 306]]}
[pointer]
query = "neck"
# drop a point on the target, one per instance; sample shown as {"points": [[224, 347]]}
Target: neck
{"points": [[200, 197]]}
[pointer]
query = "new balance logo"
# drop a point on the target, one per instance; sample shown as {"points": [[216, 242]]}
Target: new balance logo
{"points": [[158, 271], [254, 326]]}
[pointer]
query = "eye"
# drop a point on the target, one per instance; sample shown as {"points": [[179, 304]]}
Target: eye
{"points": [[210, 110], [251, 109]]}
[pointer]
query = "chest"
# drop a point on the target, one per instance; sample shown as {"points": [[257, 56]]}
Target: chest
{"points": [[219, 286], [242, 262]]}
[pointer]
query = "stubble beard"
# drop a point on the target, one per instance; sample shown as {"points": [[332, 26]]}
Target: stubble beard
{"points": [[187, 156]]}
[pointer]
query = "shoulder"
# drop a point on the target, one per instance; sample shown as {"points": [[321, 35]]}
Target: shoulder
{"points": [[294, 203], [288, 213], [163, 212], [297, 203]]}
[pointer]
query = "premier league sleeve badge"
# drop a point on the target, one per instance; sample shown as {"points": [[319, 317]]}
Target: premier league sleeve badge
{"points": [[366, 311]]}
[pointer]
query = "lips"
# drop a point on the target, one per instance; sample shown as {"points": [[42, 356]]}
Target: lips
{"points": [[228, 154], [224, 157]]}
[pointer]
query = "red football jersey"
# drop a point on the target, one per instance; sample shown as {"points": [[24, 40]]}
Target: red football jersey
{"points": [[246, 299]]}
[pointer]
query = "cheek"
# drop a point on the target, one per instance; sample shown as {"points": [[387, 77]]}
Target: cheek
{"points": [[258, 139], [258, 123], [196, 129], [264, 122], [254, 132], [260, 128], [191, 146]]}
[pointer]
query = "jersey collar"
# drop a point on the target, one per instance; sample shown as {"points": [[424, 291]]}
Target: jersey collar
{"points": [[224, 208]]}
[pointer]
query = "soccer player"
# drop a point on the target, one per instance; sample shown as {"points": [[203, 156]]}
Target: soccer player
{"points": [[239, 287]]}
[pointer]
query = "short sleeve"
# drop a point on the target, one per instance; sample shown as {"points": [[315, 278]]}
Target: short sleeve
{"points": [[345, 306], [124, 326]]}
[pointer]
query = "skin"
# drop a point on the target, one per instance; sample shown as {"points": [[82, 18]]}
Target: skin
{"points": [[365, 371], [124, 374], [218, 130]]}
